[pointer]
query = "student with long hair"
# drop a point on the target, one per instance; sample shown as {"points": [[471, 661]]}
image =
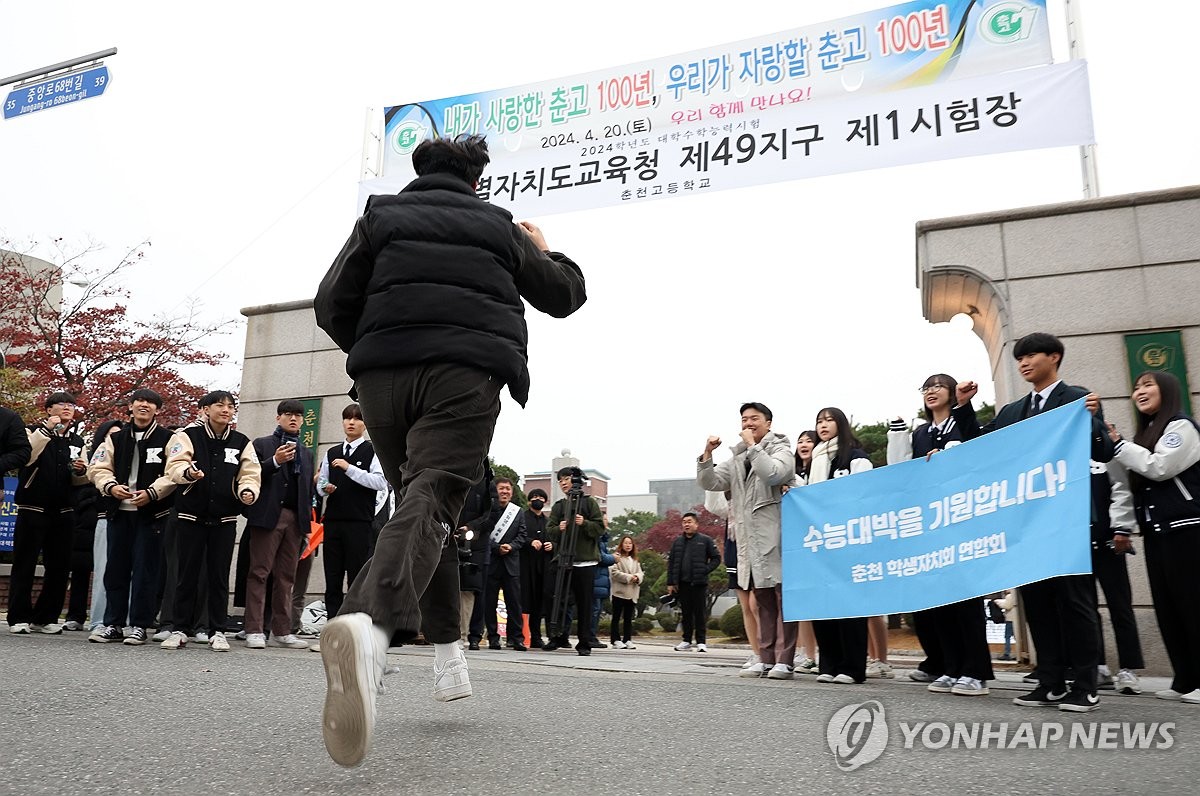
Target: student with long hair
{"points": [[843, 642], [627, 577], [806, 645], [954, 637], [1163, 460]]}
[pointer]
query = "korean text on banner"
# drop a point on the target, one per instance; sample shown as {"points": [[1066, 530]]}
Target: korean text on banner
{"points": [[1009, 508], [911, 44], [1047, 106], [8, 514]]}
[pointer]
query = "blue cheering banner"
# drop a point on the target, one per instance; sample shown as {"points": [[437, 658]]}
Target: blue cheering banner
{"points": [[1006, 509], [8, 515]]}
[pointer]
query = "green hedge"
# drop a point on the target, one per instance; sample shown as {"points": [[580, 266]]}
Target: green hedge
{"points": [[732, 624]]}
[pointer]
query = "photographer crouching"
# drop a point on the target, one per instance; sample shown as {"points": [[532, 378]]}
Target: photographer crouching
{"points": [[574, 527]]}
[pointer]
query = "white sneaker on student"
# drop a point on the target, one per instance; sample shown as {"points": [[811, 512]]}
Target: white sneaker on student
{"points": [[969, 686], [1169, 694], [755, 670], [201, 637], [218, 642], [256, 641], [174, 641], [618, 645], [161, 635], [1191, 697], [806, 665], [1128, 683], [753, 659], [51, 629], [843, 679], [942, 685], [780, 671], [354, 653], [19, 629], [701, 648], [683, 646], [825, 678], [451, 680], [880, 669], [290, 641]]}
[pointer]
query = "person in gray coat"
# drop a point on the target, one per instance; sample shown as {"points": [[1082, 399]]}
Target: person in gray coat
{"points": [[762, 464]]}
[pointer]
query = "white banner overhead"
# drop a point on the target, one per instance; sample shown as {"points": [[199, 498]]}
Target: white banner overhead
{"points": [[788, 139]]}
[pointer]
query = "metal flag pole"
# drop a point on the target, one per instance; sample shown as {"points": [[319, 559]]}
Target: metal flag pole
{"points": [[1087, 153]]}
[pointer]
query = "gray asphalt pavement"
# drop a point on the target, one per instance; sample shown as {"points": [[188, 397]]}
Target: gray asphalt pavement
{"points": [[97, 719]]}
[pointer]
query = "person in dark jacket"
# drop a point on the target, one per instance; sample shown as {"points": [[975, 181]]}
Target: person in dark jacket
{"points": [[535, 556], [14, 443], [218, 469], [1061, 611], [45, 518], [479, 516], [601, 587], [129, 470], [426, 300], [505, 540], [277, 524], [693, 556]]}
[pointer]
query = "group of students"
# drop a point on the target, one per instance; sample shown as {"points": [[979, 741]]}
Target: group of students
{"points": [[171, 500], [1159, 465]]}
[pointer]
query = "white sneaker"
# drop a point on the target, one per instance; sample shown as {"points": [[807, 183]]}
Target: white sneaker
{"points": [[825, 678], [354, 653], [315, 647], [755, 670], [201, 637], [701, 648], [921, 676], [218, 642], [842, 679], [72, 625], [969, 686], [240, 635], [1169, 694], [1127, 683], [618, 645], [1191, 697], [880, 669], [753, 659], [942, 685], [806, 665], [450, 680], [174, 641], [256, 641], [780, 671], [629, 645], [51, 629], [161, 636], [683, 646], [19, 629], [290, 641]]}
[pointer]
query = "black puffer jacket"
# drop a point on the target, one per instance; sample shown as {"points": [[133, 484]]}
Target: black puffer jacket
{"points": [[692, 559], [436, 274]]}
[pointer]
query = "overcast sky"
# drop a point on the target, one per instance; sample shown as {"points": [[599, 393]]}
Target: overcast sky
{"points": [[231, 137]]}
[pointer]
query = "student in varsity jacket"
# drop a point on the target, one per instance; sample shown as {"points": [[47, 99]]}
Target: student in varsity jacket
{"points": [[1112, 543], [45, 517], [1163, 459], [1061, 611], [350, 479], [129, 468], [954, 637], [506, 539], [219, 471]]}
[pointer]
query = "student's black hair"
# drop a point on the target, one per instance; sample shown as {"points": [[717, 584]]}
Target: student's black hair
{"points": [[846, 441], [801, 467], [564, 473], [758, 407], [101, 432], [1150, 427], [59, 397], [352, 411], [503, 480], [144, 394], [1039, 343], [464, 156], [537, 493], [944, 379], [216, 397], [289, 406], [691, 514]]}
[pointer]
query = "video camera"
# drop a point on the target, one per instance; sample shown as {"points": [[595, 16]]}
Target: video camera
{"points": [[577, 479], [463, 542]]}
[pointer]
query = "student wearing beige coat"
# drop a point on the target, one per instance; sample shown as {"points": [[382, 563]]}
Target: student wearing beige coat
{"points": [[627, 576]]}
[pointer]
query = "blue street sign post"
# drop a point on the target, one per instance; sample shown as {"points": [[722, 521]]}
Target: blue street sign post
{"points": [[56, 91]]}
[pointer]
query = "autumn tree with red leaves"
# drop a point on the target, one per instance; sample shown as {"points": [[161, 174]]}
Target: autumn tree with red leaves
{"points": [[89, 344], [660, 535]]}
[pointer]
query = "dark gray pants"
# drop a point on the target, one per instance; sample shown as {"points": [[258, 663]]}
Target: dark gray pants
{"points": [[431, 426]]}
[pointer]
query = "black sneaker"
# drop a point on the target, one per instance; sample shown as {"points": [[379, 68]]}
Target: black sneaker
{"points": [[104, 635], [1079, 702], [1041, 697], [137, 637]]}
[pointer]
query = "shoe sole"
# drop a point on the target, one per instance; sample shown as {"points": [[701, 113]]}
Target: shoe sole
{"points": [[749, 674], [1078, 708], [347, 719], [1130, 691], [959, 692], [454, 692], [1028, 703], [785, 676], [132, 643], [940, 689]]}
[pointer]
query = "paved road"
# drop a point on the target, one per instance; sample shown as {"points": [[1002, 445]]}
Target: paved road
{"points": [[99, 719]]}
